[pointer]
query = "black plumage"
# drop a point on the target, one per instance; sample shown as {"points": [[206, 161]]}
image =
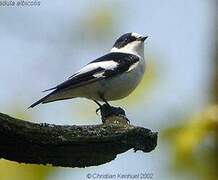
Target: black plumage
{"points": [[124, 40], [123, 60]]}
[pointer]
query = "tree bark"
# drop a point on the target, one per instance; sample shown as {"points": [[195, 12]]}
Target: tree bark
{"points": [[71, 146]]}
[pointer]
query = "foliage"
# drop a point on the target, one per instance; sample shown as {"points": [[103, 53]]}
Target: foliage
{"points": [[195, 145], [13, 171]]}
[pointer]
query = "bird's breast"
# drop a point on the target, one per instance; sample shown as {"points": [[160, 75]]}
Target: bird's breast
{"points": [[122, 85]]}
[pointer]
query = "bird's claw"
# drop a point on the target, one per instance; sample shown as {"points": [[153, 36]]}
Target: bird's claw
{"points": [[107, 111], [96, 111], [128, 121]]}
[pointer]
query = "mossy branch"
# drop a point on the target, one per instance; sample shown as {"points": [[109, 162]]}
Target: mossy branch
{"points": [[71, 146]]}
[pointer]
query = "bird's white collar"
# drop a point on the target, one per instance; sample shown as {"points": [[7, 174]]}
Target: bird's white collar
{"points": [[132, 48]]}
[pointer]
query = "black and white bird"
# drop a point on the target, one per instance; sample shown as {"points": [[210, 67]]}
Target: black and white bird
{"points": [[110, 77]]}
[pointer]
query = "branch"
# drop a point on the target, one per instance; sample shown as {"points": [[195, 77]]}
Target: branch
{"points": [[71, 146]]}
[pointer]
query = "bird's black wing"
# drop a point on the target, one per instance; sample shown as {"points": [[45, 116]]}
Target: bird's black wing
{"points": [[104, 67]]}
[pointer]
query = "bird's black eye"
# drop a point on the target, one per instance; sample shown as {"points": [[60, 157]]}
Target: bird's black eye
{"points": [[124, 40]]}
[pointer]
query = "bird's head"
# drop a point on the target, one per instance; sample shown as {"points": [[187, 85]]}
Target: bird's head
{"points": [[132, 43]]}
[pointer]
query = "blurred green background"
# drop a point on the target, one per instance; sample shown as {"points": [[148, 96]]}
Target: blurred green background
{"points": [[42, 46]]}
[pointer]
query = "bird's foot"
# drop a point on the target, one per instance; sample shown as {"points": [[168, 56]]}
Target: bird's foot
{"points": [[96, 111], [109, 111]]}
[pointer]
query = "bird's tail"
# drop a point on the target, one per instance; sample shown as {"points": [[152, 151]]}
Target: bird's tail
{"points": [[53, 96], [39, 101]]}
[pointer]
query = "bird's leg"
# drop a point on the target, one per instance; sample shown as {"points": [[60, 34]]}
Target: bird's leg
{"points": [[97, 103], [105, 101], [107, 110], [100, 106]]}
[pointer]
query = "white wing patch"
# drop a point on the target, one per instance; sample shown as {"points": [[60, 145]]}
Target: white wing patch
{"points": [[133, 66], [99, 75], [104, 64]]}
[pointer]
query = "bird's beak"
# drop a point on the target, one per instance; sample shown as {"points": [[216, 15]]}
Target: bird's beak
{"points": [[143, 38]]}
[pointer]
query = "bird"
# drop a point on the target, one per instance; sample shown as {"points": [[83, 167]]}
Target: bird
{"points": [[110, 77]]}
